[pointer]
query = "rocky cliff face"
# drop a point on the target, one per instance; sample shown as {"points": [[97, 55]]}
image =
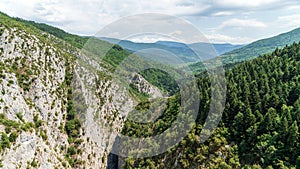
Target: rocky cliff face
{"points": [[143, 86], [36, 100], [33, 73]]}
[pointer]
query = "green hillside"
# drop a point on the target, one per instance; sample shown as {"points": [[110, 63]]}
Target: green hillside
{"points": [[261, 47], [74, 40], [253, 50]]}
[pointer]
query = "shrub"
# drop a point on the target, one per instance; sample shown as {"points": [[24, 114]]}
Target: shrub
{"points": [[37, 122], [5, 143], [20, 116], [10, 82], [13, 137], [7, 129]]}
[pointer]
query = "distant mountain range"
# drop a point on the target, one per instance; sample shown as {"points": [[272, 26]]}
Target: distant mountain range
{"points": [[229, 54], [186, 52], [262, 46], [253, 50]]}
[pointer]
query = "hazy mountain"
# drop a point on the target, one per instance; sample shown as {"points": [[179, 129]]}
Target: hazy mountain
{"points": [[253, 50], [186, 52]]}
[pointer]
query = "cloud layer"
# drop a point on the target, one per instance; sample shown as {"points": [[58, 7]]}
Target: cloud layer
{"points": [[231, 23], [86, 17]]}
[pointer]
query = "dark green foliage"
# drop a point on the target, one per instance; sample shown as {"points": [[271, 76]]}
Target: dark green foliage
{"points": [[10, 123], [161, 124], [20, 116], [34, 163], [13, 136], [261, 119], [73, 125], [72, 128], [4, 142], [115, 56], [71, 151], [10, 82], [37, 122], [298, 162], [264, 125], [162, 80], [27, 126]]}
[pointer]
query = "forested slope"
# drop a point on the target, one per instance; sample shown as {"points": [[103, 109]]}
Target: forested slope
{"points": [[260, 124]]}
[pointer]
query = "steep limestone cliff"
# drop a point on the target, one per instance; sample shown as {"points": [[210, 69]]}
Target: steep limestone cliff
{"points": [[43, 81]]}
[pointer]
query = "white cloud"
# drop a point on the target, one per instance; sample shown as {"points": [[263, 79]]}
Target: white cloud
{"points": [[18, 8], [86, 17], [223, 13], [244, 3], [171, 7], [244, 7], [289, 20], [293, 7], [219, 38], [76, 16], [239, 23]]}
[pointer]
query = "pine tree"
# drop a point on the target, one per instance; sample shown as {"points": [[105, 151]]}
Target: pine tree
{"points": [[293, 135], [249, 118], [269, 123], [238, 125]]}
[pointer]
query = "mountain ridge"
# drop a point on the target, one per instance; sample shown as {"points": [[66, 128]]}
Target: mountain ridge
{"points": [[184, 51], [262, 46], [252, 50]]}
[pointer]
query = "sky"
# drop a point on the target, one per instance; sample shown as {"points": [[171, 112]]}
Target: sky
{"points": [[220, 21]]}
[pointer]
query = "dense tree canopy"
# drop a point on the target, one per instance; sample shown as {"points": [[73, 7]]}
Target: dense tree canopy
{"points": [[260, 123]]}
